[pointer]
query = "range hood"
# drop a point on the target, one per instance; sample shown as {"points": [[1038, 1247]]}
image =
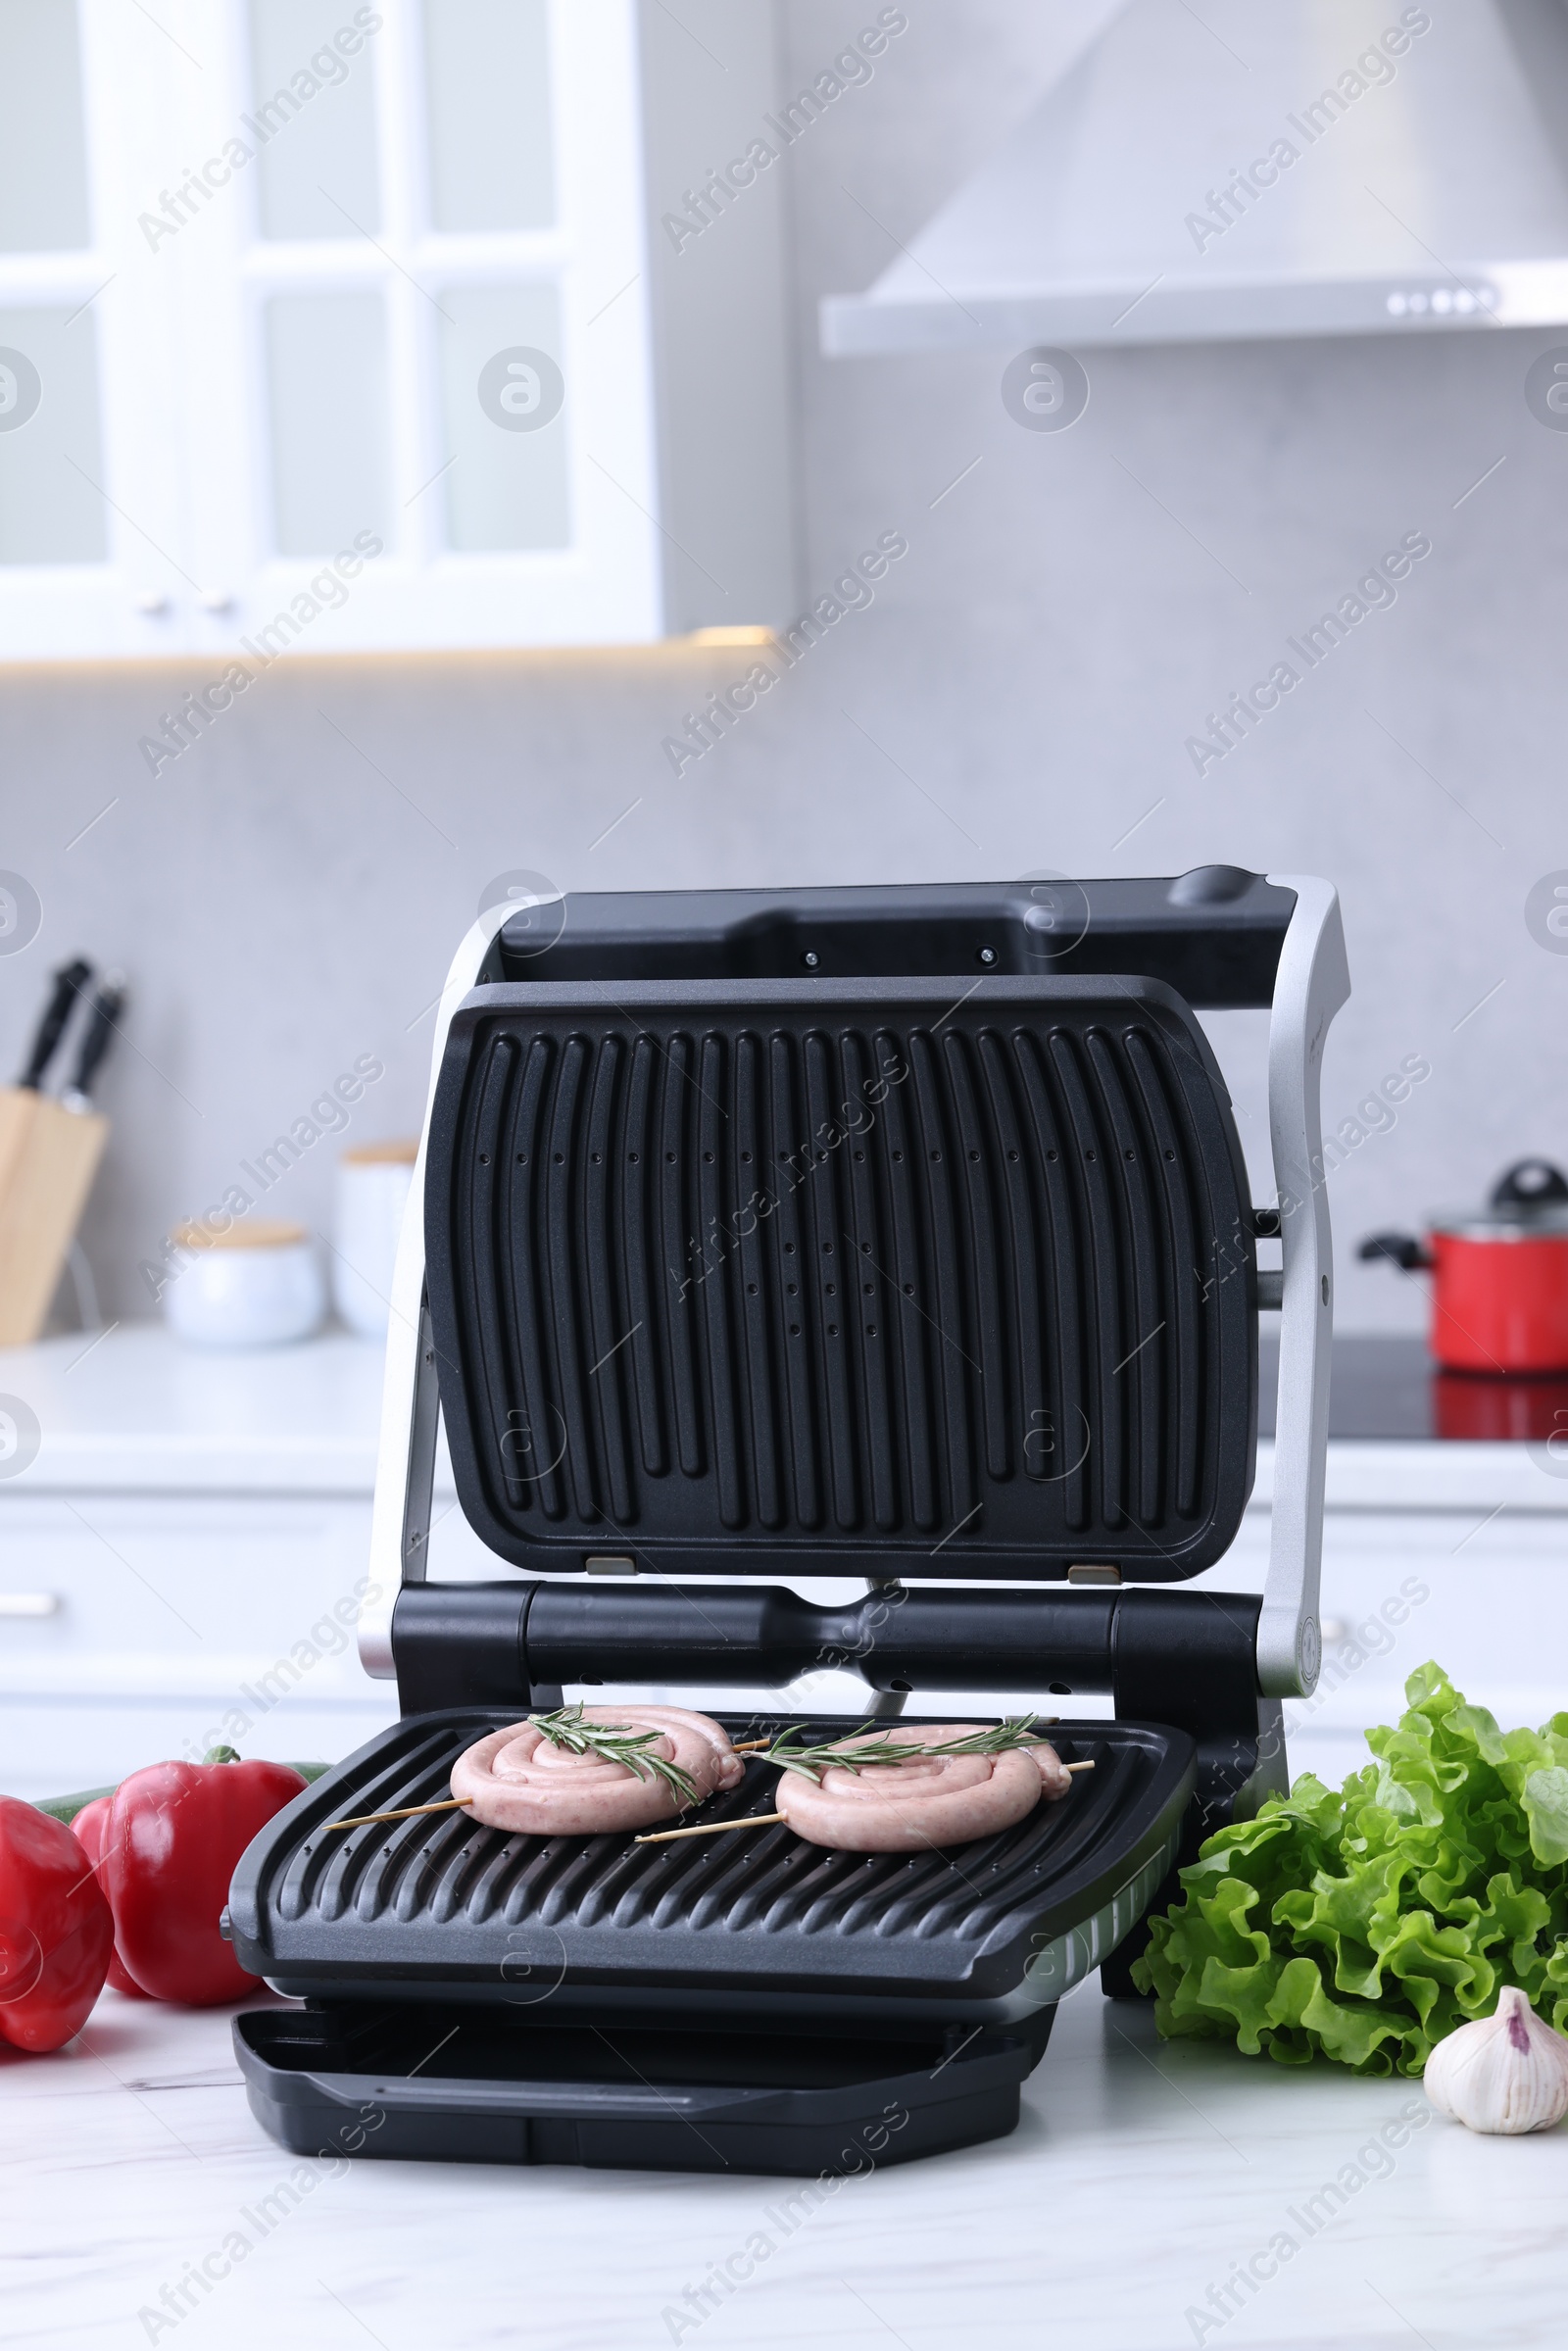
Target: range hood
{"points": [[1243, 168]]}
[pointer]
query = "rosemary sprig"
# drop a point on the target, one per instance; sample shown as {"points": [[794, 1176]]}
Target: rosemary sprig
{"points": [[615, 1743], [990, 1739]]}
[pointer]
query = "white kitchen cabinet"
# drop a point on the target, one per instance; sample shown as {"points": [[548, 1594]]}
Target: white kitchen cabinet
{"points": [[328, 327]]}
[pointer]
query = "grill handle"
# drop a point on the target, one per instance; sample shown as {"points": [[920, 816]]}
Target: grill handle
{"points": [[1166, 1656], [898, 1637]]}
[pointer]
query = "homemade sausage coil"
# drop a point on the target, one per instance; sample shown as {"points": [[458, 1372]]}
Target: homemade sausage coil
{"points": [[928, 1802], [855, 1279], [523, 1777]]}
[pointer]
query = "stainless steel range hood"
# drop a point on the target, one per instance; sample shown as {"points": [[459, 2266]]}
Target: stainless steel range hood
{"points": [[1244, 169]]}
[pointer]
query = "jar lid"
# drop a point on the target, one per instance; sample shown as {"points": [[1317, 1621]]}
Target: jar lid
{"points": [[381, 1155], [256, 1232]]}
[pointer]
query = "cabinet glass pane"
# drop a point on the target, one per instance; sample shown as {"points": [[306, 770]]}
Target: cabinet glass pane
{"points": [[506, 426], [43, 171], [327, 372], [313, 118], [51, 458], [487, 91]]}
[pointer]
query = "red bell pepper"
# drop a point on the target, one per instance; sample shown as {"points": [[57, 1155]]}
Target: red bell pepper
{"points": [[174, 1834], [87, 1827], [56, 1934]]}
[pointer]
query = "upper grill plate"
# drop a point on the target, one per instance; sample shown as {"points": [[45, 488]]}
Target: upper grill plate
{"points": [[773, 1278]]}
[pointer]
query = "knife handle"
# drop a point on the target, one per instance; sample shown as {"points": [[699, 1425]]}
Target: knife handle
{"points": [[99, 1027], [69, 980]]}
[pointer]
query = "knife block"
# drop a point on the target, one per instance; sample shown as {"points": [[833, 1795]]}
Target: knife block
{"points": [[48, 1158]]}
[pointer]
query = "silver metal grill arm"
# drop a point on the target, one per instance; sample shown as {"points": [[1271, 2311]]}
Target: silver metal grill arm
{"points": [[410, 1411], [1312, 983]]}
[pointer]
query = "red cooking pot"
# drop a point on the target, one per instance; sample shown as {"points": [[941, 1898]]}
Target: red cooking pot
{"points": [[1500, 1295]]}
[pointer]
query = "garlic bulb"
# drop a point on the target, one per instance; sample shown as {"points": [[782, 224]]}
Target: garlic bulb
{"points": [[1508, 2073]]}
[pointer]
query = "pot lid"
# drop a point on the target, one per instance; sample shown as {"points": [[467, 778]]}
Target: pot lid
{"points": [[1529, 1200]]}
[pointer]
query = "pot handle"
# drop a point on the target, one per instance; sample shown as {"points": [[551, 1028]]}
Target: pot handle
{"points": [[1400, 1248], [1529, 1184]]}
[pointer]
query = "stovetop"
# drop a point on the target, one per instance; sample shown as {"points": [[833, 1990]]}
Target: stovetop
{"points": [[1391, 1389]]}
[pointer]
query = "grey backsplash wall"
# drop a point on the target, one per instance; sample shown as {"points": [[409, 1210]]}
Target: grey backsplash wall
{"points": [[287, 896]]}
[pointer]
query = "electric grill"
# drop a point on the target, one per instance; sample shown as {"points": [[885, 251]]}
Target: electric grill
{"points": [[899, 1237]]}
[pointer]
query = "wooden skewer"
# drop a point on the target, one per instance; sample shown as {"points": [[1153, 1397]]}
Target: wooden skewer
{"points": [[753, 1820], [368, 1820], [761, 1820]]}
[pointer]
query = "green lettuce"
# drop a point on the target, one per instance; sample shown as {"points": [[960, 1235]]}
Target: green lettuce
{"points": [[1365, 1926]]}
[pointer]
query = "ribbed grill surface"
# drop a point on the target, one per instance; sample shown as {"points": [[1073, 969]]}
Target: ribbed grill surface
{"points": [[440, 1886], [773, 1277]]}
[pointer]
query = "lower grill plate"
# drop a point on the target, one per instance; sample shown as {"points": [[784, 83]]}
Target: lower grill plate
{"points": [[759, 1927]]}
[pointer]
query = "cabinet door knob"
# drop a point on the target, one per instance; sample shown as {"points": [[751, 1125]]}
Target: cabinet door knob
{"points": [[29, 1603]]}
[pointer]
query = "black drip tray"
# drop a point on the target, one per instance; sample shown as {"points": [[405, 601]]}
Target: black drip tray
{"points": [[473, 2085]]}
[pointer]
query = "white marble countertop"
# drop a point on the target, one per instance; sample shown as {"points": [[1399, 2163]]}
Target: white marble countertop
{"points": [[1142, 2177], [135, 1410]]}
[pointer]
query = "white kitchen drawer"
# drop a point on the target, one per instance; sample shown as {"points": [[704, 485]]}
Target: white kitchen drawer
{"points": [[188, 1579], [1485, 1594], [187, 1575], [136, 1627], [1495, 1615], [175, 1622]]}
